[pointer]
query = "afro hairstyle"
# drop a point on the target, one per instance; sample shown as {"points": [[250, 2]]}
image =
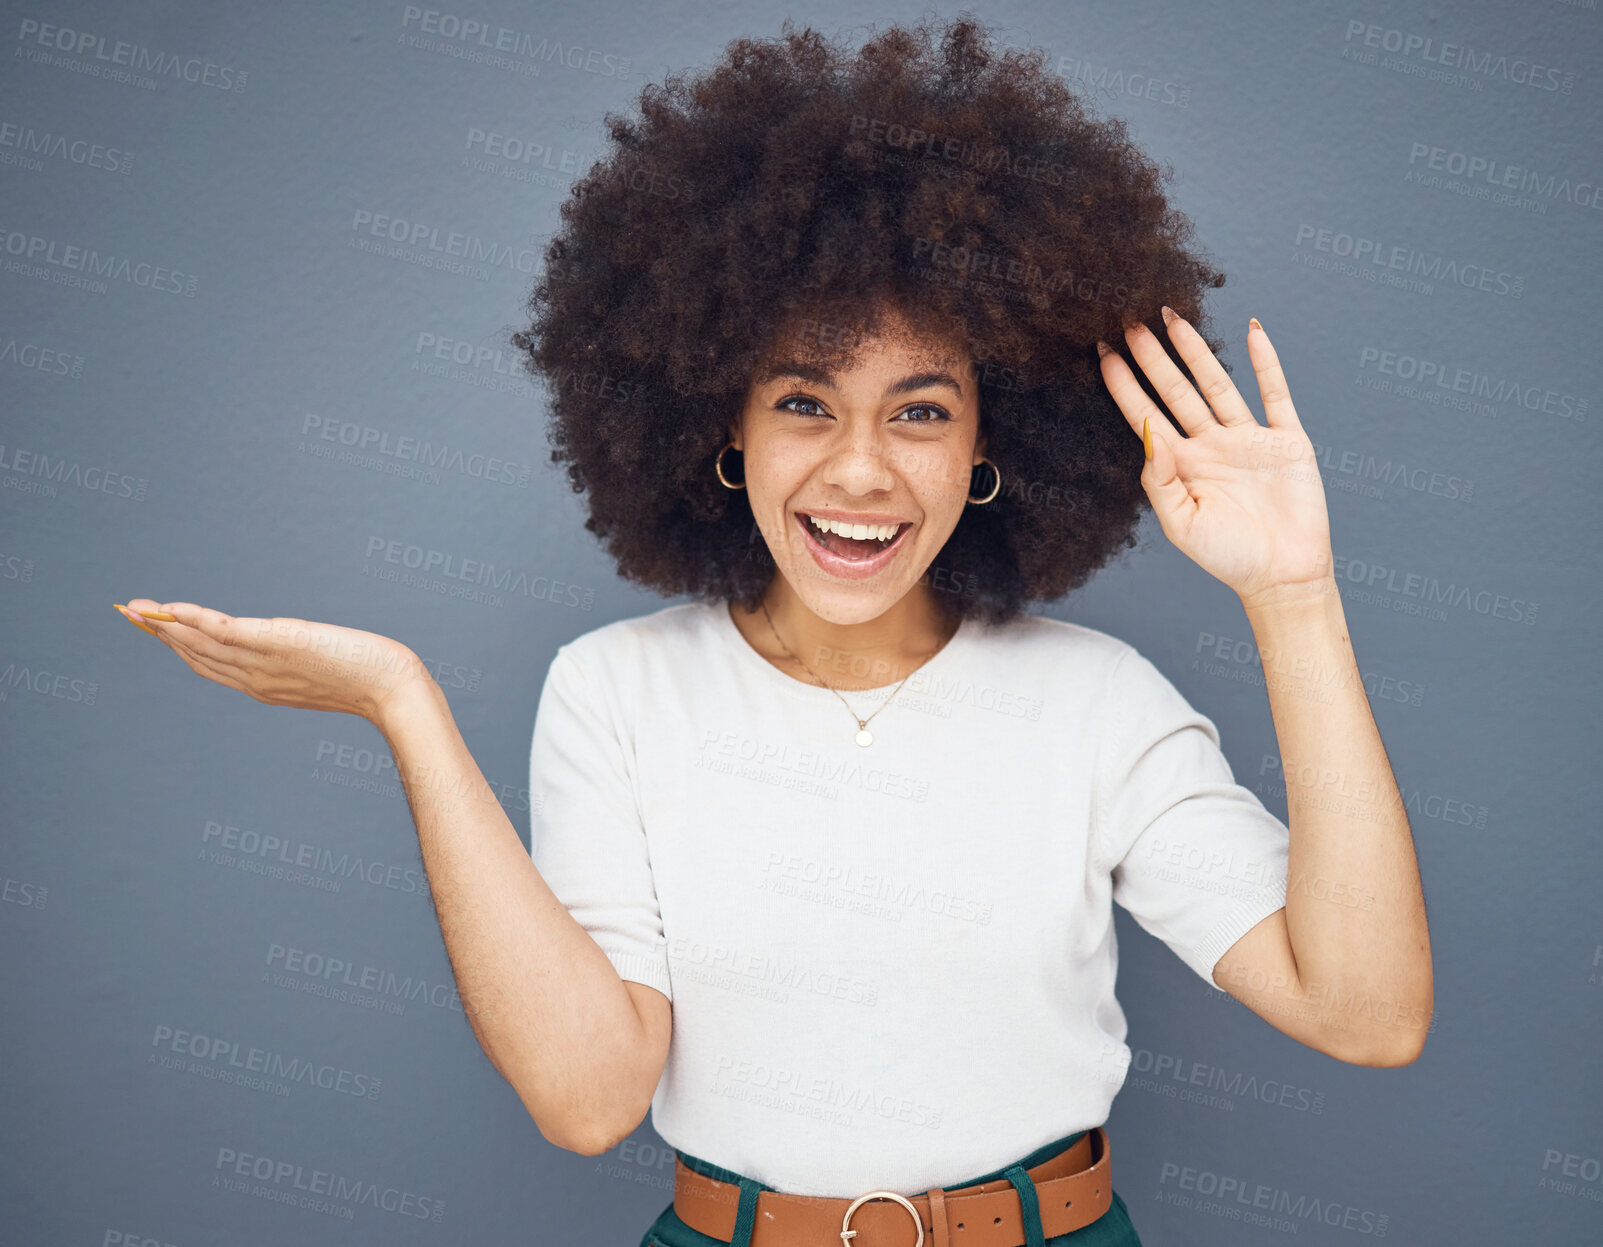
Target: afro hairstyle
{"points": [[797, 190]]}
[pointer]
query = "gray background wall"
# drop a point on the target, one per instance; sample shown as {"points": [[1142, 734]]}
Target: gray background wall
{"points": [[222, 422]]}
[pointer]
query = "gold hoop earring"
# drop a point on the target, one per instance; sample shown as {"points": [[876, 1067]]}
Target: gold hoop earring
{"points": [[995, 489], [718, 467]]}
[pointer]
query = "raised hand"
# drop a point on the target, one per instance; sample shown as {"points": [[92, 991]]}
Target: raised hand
{"points": [[283, 661], [1243, 501]]}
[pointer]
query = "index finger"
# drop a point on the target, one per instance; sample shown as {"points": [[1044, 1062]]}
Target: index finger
{"points": [[1132, 400], [1212, 379], [174, 618]]}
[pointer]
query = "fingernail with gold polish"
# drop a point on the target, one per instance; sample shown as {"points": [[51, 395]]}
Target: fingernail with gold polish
{"points": [[161, 615], [1102, 348], [1252, 323], [1168, 314], [123, 611], [1146, 436]]}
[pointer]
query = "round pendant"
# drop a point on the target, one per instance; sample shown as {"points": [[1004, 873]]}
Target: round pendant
{"points": [[865, 737]]}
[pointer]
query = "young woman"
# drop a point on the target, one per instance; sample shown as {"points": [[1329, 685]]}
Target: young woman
{"points": [[823, 860]]}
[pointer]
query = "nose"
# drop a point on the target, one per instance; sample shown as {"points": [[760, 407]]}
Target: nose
{"points": [[860, 460]]}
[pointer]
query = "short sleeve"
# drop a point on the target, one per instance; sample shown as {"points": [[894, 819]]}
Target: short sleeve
{"points": [[1195, 858], [585, 833]]}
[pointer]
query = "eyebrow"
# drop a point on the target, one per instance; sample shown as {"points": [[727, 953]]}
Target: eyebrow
{"points": [[823, 376]]}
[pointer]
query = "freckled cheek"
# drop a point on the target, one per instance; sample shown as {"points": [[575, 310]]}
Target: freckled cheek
{"points": [[770, 494], [937, 479], [775, 483]]}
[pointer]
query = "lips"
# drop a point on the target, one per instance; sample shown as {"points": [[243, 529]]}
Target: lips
{"points": [[844, 568]]}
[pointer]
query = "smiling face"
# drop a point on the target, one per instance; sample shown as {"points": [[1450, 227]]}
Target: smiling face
{"points": [[884, 440]]}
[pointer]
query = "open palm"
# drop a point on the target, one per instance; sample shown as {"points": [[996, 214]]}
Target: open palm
{"points": [[283, 661], [1244, 501]]}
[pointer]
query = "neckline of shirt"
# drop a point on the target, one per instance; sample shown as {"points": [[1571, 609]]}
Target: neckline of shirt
{"points": [[724, 624]]}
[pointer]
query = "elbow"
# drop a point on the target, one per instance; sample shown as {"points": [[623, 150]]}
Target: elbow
{"points": [[589, 1104], [586, 1141], [1384, 1048], [585, 1129], [617, 1132], [1387, 1056], [584, 1145], [564, 1130], [570, 1137]]}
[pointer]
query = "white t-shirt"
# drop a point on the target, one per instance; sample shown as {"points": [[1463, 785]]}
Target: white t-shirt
{"points": [[891, 967]]}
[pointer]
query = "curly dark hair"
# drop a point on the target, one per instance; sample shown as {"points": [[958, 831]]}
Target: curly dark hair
{"points": [[797, 184]]}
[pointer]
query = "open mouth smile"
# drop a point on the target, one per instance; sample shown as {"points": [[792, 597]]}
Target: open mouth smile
{"points": [[851, 558]]}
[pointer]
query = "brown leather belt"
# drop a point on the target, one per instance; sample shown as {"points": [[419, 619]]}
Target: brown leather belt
{"points": [[1073, 1189]]}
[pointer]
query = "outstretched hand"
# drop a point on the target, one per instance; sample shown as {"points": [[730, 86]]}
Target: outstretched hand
{"points": [[283, 661], [1245, 502]]}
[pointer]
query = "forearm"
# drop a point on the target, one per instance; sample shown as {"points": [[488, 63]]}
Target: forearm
{"points": [[549, 1009], [1355, 912]]}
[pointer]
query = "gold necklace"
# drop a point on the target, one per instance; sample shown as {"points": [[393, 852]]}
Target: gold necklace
{"points": [[864, 737]]}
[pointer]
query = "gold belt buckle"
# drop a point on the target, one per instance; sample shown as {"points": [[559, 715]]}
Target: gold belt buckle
{"points": [[846, 1234]]}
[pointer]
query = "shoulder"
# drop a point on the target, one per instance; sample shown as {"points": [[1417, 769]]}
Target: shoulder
{"points": [[611, 667], [1101, 673], [1040, 641], [625, 645], [1059, 670]]}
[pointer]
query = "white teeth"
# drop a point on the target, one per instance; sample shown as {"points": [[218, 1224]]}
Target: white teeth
{"points": [[859, 532]]}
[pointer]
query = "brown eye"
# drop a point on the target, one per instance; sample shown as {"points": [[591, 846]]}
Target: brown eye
{"points": [[937, 414], [786, 404]]}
